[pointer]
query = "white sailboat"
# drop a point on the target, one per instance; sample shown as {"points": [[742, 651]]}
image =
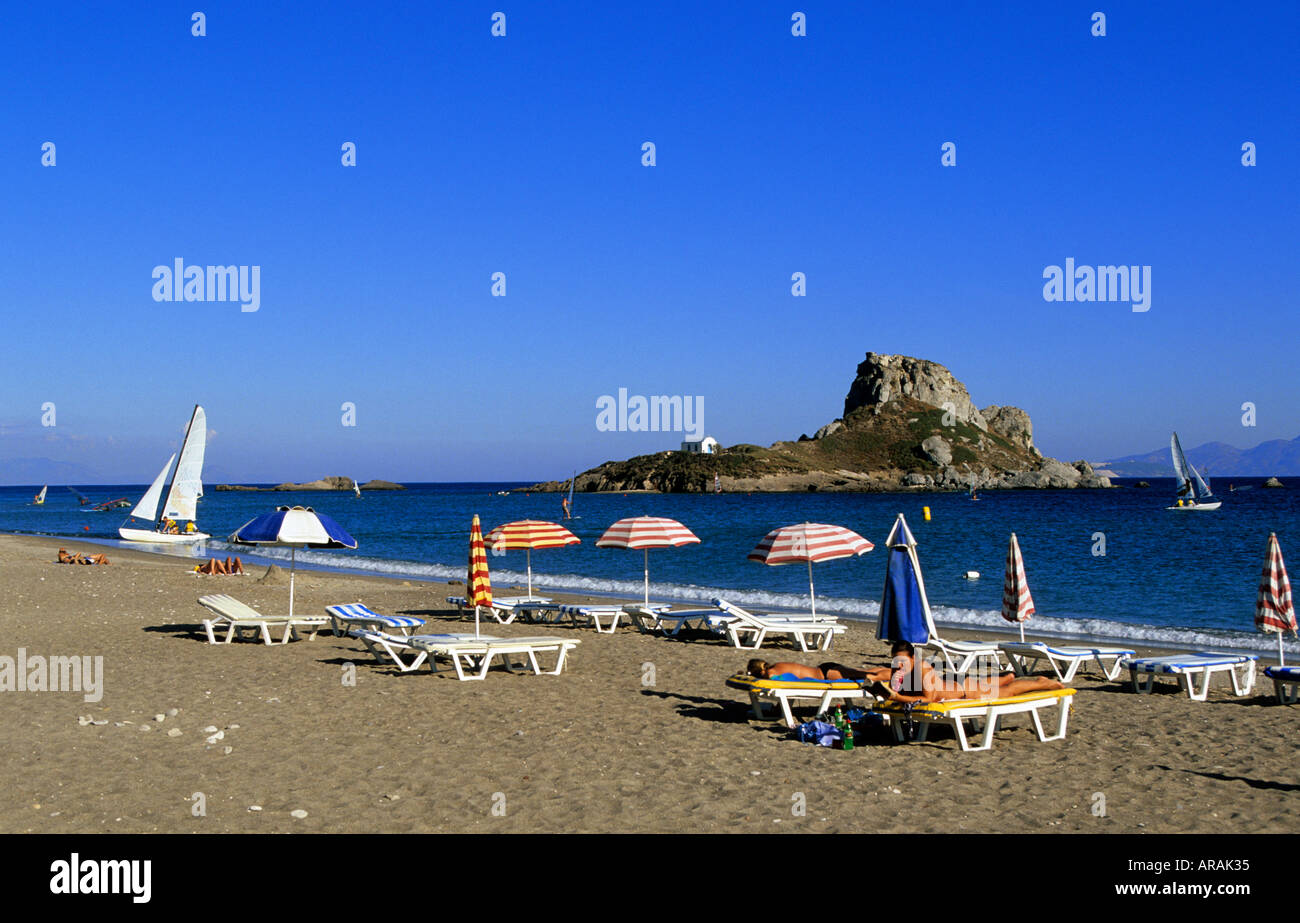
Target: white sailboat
{"points": [[40, 497], [181, 504], [356, 487], [1193, 492]]}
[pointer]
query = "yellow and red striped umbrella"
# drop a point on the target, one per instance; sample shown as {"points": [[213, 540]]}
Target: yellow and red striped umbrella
{"points": [[809, 541], [478, 584], [646, 532], [529, 534], [1274, 608], [1017, 603]]}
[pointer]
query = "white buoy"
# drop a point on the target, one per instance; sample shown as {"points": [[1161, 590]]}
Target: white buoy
{"points": [[971, 575]]}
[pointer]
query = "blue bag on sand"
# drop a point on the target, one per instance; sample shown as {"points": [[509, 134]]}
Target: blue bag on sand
{"points": [[819, 733]]}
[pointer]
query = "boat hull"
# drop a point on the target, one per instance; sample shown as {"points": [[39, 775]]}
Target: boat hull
{"points": [[1213, 505], [161, 538]]}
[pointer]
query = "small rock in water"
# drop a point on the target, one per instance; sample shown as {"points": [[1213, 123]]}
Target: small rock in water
{"points": [[299, 813]]}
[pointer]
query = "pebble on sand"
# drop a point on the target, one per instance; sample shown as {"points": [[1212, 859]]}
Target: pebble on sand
{"points": [[299, 813]]}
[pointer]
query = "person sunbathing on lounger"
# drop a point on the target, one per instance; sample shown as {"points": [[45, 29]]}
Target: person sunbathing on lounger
{"points": [[913, 680], [764, 670]]}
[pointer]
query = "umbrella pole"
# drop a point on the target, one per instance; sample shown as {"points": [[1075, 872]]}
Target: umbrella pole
{"points": [[292, 553], [530, 573], [1281, 659], [647, 579], [812, 593], [1022, 632], [476, 623]]}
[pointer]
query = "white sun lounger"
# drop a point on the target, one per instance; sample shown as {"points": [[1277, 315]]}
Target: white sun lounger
{"points": [[782, 692], [991, 711], [742, 626], [1188, 668], [669, 623], [961, 657], [396, 649], [359, 614], [1065, 660], [240, 619], [1286, 682], [592, 615], [471, 657], [504, 609]]}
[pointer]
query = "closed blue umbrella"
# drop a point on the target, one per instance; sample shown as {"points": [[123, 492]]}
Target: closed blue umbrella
{"points": [[904, 609], [293, 527]]}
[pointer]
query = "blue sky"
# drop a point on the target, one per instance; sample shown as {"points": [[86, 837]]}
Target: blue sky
{"points": [[522, 155]]}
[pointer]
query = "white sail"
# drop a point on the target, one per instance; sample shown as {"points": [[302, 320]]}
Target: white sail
{"points": [[1180, 460], [1191, 486], [356, 487], [1200, 485], [187, 485], [40, 498], [147, 508]]}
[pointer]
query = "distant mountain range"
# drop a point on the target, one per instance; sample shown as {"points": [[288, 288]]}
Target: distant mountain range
{"points": [[1275, 458]]}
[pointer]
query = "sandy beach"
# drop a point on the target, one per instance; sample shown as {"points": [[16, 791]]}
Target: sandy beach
{"points": [[592, 750]]}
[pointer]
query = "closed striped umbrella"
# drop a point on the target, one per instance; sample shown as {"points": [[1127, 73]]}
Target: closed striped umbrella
{"points": [[1274, 608], [809, 541], [529, 534], [478, 585], [646, 532], [1017, 602]]}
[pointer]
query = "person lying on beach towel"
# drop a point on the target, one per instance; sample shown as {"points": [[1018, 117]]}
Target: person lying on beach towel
{"points": [[764, 670], [214, 566], [65, 558], [913, 680]]}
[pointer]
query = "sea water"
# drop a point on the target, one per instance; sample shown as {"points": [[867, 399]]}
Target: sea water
{"points": [[1112, 565]]}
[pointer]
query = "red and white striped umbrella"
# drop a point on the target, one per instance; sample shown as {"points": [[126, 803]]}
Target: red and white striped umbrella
{"points": [[809, 541], [478, 583], [1017, 603], [530, 534], [1274, 609], [646, 532]]}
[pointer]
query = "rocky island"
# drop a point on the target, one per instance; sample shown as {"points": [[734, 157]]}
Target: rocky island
{"points": [[330, 483], [908, 424]]}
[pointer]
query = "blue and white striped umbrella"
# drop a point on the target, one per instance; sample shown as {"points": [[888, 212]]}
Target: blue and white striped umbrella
{"points": [[293, 527]]}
